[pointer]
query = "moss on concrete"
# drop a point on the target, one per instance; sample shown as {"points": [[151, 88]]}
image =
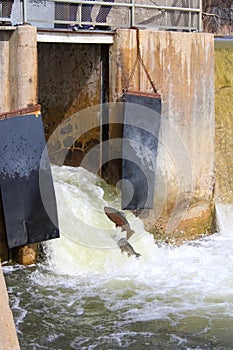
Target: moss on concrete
{"points": [[198, 222], [224, 124]]}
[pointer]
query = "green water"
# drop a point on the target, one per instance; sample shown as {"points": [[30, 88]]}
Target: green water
{"points": [[91, 312]]}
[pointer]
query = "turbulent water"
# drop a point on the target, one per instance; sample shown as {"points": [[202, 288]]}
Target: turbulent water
{"points": [[87, 295]]}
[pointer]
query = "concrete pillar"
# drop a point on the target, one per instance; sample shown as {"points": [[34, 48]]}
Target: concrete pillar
{"points": [[18, 68], [23, 67], [181, 66], [4, 71]]}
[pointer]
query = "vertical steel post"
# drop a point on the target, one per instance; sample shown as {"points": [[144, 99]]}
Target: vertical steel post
{"points": [[166, 15], [104, 149], [190, 18], [200, 29], [24, 12], [132, 14], [79, 14]]}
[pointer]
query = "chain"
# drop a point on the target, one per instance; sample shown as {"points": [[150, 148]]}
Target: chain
{"points": [[140, 60]]}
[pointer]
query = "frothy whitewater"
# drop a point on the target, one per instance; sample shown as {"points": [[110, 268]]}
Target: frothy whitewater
{"points": [[87, 295]]}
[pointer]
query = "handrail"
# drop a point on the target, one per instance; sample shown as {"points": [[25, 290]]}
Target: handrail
{"points": [[51, 13]]}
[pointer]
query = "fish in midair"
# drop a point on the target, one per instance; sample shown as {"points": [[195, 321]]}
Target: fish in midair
{"points": [[119, 220], [124, 246]]}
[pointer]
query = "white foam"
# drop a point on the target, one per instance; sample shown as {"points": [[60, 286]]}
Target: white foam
{"points": [[196, 273]]}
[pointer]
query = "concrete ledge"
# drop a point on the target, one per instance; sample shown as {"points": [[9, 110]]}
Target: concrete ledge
{"points": [[80, 37], [9, 28], [8, 336]]}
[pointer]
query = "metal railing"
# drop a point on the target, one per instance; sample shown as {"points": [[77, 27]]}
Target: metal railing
{"points": [[179, 15]]}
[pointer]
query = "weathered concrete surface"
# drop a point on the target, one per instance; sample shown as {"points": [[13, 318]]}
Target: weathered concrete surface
{"points": [[4, 70], [69, 82], [23, 67], [8, 336], [181, 66], [18, 68], [224, 125]]}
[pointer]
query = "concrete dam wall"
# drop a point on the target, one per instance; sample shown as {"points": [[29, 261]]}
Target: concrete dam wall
{"points": [[181, 66], [79, 77]]}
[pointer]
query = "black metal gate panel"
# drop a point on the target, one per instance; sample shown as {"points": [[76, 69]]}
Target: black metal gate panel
{"points": [[22, 147], [142, 117]]}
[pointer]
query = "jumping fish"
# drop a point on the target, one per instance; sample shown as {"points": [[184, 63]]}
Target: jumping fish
{"points": [[119, 220], [124, 246]]}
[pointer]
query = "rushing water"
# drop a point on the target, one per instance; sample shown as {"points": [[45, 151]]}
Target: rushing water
{"points": [[87, 295]]}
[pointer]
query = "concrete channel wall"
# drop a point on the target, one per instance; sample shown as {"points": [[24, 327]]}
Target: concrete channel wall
{"points": [[70, 77], [8, 336]]}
